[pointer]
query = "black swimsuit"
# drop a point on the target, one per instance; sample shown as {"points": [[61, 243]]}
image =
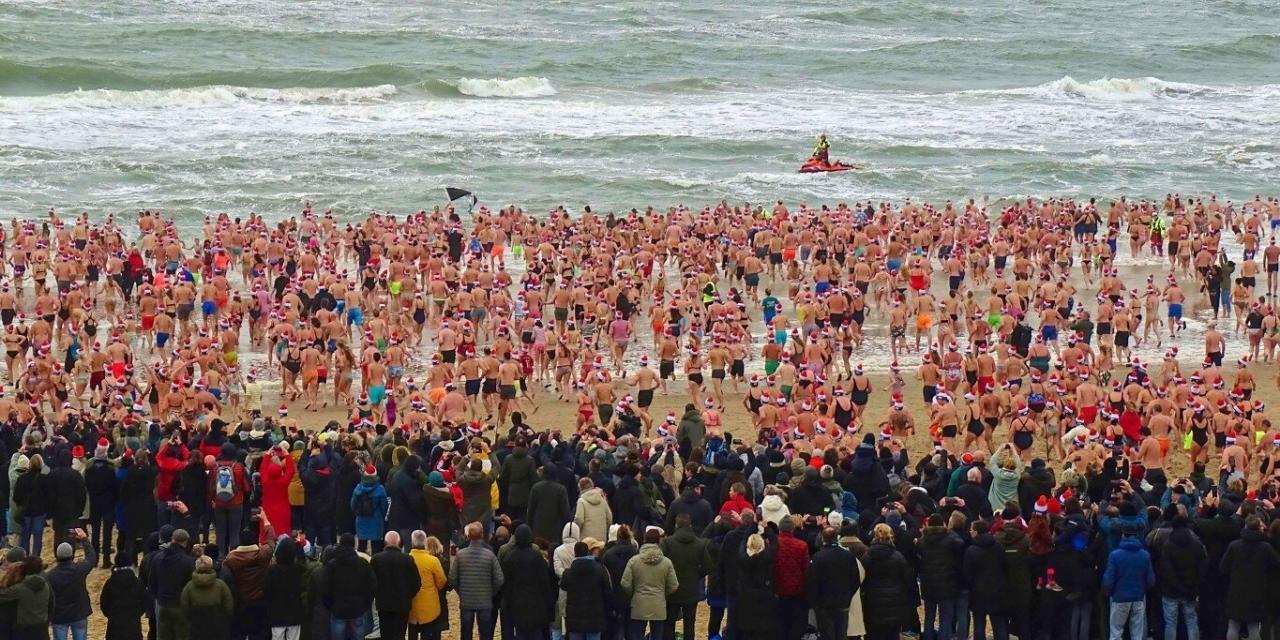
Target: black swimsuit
{"points": [[843, 416]]}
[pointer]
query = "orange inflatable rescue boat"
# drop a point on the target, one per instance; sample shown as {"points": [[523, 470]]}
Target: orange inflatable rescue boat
{"points": [[814, 165]]}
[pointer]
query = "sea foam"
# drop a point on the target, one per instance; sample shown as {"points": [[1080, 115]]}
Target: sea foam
{"points": [[522, 87]]}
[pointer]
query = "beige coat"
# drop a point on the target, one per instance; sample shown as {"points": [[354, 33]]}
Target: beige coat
{"points": [[856, 625], [593, 514]]}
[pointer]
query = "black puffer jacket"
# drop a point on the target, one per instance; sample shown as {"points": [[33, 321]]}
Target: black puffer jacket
{"points": [[941, 554], [888, 590], [588, 596], [31, 494], [984, 568], [833, 578]]}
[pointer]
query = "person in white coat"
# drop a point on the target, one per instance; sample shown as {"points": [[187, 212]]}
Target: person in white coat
{"points": [[857, 627], [561, 557], [774, 506]]}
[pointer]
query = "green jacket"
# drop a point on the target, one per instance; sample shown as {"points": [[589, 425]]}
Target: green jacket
{"points": [[206, 590], [648, 580], [692, 428], [690, 556], [34, 600]]}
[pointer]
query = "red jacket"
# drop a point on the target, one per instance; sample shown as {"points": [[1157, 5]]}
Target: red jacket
{"points": [[275, 474], [237, 476], [735, 505], [790, 564], [170, 461]]}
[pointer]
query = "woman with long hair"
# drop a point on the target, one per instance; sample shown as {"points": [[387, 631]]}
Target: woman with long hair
{"points": [[888, 586], [31, 496]]}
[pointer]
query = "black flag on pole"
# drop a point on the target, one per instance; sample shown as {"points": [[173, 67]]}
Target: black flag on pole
{"points": [[458, 194]]}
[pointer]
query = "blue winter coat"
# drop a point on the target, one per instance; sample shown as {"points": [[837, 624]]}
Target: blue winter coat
{"points": [[371, 527], [1129, 573]]}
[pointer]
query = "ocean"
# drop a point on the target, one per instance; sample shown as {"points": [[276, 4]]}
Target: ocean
{"points": [[199, 106]]}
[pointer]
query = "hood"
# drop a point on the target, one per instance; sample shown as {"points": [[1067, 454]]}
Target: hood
{"points": [[228, 451], [692, 415], [520, 452], [203, 580], [651, 554], [1252, 536], [594, 497], [286, 551], [35, 583], [1130, 543], [933, 532], [369, 482], [684, 535], [411, 465], [570, 532], [772, 502], [523, 537], [690, 495]]}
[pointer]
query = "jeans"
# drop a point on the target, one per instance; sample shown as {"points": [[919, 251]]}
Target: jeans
{"points": [[962, 616], [1132, 613], [1253, 630], [582, 635], [999, 625], [79, 630], [286, 633], [944, 612], [635, 629], [1171, 607], [833, 624], [472, 617], [688, 611], [793, 617], [353, 629], [1081, 619], [226, 525], [32, 538]]}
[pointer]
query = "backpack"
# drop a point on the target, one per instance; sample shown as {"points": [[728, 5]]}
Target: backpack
{"points": [[224, 485], [365, 506], [714, 446]]}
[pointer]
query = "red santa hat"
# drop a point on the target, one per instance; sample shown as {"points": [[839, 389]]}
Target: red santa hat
{"points": [[1042, 505]]}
